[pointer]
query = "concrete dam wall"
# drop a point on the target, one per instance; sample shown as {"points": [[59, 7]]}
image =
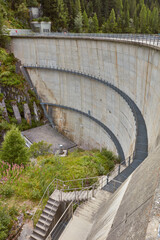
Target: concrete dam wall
{"points": [[132, 68], [118, 84]]}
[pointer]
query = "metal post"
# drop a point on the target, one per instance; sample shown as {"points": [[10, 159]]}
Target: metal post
{"points": [[129, 160], [107, 178], [93, 191], [119, 168]]}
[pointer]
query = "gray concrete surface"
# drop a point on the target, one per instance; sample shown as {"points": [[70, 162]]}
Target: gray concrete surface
{"points": [[50, 135], [26, 231], [134, 69]]}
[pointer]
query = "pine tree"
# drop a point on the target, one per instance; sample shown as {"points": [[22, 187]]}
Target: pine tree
{"points": [[119, 12], [85, 22], [90, 22], [62, 15], [95, 24], [143, 19], [112, 21], [155, 20], [77, 7], [119, 8], [78, 24], [132, 8], [14, 149], [126, 16], [97, 8]]}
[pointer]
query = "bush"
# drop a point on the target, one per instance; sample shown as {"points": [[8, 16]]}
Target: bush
{"points": [[5, 220], [7, 191], [39, 149], [14, 149]]}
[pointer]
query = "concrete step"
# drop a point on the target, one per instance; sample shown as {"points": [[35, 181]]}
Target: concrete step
{"points": [[46, 216], [48, 212], [53, 202], [43, 226], [51, 208], [35, 236], [40, 233], [42, 221]]}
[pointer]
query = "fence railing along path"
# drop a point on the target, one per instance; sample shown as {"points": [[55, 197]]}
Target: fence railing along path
{"points": [[147, 39], [86, 187], [141, 144]]}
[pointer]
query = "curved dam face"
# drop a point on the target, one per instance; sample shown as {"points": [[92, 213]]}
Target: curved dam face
{"points": [[132, 68], [118, 85]]}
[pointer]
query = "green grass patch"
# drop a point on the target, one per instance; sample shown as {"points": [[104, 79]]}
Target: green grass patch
{"points": [[33, 181]]}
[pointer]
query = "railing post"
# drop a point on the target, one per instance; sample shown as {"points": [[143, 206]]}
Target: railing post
{"points": [[72, 209], [129, 160], [107, 178], [93, 191], [119, 168]]}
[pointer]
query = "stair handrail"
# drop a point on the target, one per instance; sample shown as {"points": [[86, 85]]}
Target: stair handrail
{"points": [[70, 205], [99, 183], [58, 187], [40, 202]]}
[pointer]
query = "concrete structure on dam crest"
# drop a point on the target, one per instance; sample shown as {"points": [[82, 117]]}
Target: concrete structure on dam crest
{"points": [[117, 83]]}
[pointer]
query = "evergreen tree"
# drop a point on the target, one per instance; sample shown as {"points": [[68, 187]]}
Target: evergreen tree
{"points": [[119, 11], [85, 22], [77, 7], [97, 9], [143, 19], [132, 8], [126, 17], [62, 15], [14, 149], [119, 8], [78, 24], [95, 24], [112, 21], [155, 20], [90, 22]]}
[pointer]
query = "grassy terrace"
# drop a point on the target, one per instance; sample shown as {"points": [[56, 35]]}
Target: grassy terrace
{"points": [[24, 187]]}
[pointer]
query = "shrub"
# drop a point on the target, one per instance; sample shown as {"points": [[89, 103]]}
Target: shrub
{"points": [[14, 149], [7, 191], [5, 220], [39, 149]]}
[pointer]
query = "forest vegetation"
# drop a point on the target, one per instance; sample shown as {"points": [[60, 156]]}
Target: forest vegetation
{"points": [[90, 16]]}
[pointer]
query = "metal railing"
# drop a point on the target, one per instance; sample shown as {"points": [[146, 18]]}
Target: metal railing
{"points": [[61, 223], [147, 39], [97, 78], [84, 184]]}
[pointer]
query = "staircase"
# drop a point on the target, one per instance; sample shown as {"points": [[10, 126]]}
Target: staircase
{"points": [[73, 196], [47, 217], [88, 210], [84, 217]]}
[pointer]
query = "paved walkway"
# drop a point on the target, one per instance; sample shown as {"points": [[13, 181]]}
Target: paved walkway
{"points": [[26, 231], [50, 135]]}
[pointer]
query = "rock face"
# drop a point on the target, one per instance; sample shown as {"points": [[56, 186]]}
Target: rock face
{"points": [[27, 113], [16, 112], [4, 110]]}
